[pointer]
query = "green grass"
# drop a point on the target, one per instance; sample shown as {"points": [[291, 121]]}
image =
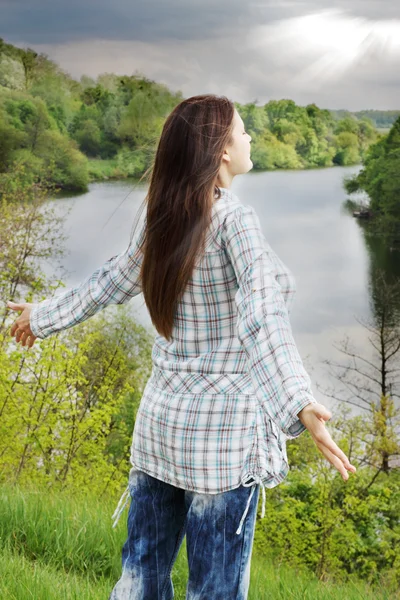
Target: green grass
{"points": [[272, 582], [22, 579], [55, 547]]}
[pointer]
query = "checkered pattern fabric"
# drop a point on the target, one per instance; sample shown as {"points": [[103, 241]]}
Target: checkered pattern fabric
{"points": [[224, 394]]}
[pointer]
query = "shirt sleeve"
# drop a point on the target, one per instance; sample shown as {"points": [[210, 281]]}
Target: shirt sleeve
{"points": [[282, 386], [115, 282]]}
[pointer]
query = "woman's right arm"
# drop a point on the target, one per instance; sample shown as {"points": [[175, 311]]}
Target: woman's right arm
{"points": [[115, 282]]}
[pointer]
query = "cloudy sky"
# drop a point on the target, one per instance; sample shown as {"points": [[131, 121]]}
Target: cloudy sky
{"points": [[336, 53]]}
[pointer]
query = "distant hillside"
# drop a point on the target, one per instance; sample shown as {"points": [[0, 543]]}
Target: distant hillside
{"points": [[382, 119]]}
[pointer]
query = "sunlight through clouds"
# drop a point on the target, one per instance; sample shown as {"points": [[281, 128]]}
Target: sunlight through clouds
{"points": [[260, 49], [321, 47]]}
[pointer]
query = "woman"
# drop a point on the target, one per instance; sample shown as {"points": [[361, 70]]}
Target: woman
{"points": [[227, 385]]}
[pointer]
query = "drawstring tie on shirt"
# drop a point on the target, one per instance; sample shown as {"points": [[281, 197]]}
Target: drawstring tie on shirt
{"points": [[119, 510], [255, 480]]}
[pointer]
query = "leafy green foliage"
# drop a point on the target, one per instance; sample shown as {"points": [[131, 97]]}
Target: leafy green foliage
{"points": [[287, 136], [338, 529], [380, 179], [67, 406], [31, 135], [121, 118]]}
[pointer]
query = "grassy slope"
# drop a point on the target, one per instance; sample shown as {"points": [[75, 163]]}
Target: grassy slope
{"points": [[56, 547]]}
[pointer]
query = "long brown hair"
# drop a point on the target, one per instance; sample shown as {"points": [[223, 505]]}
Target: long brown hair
{"points": [[179, 200]]}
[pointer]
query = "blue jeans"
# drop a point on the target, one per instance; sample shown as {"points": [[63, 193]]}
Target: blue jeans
{"points": [[160, 515]]}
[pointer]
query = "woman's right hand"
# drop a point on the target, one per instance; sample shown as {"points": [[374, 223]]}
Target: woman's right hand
{"points": [[21, 328]]}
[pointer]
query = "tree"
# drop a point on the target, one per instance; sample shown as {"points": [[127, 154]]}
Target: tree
{"points": [[29, 62], [347, 144], [254, 117], [372, 385], [67, 407], [89, 138], [380, 179]]}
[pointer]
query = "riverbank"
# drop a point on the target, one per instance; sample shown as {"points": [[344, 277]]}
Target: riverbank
{"points": [[106, 169], [102, 170]]}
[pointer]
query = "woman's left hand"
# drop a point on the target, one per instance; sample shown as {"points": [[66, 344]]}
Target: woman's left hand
{"points": [[313, 416]]}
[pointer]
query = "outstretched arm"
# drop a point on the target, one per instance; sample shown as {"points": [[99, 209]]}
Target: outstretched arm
{"points": [[115, 282]]}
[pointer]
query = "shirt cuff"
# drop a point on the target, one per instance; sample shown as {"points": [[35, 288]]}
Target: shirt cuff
{"points": [[34, 319], [292, 427]]}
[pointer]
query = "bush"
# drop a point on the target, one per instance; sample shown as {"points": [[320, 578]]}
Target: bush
{"points": [[68, 166], [131, 162]]}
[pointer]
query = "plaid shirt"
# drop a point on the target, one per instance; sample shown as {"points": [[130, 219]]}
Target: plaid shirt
{"points": [[225, 392]]}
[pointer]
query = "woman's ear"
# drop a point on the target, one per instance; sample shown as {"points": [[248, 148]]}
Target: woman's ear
{"points": [[226, 157]]}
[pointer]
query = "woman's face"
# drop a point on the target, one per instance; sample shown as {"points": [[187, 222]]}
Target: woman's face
{"points": [[239, 151]]}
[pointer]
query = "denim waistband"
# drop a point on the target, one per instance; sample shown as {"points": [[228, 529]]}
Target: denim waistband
{"points": [[249, 480]]}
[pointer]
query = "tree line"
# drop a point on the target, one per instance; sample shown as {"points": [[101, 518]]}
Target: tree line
{"points": [[77, 131]]}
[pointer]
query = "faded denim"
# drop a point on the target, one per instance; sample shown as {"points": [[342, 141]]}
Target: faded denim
{"points": [[160, 515]]}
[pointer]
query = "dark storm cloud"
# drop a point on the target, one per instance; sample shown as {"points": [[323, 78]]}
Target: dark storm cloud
{"points": [[52, 21]]}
